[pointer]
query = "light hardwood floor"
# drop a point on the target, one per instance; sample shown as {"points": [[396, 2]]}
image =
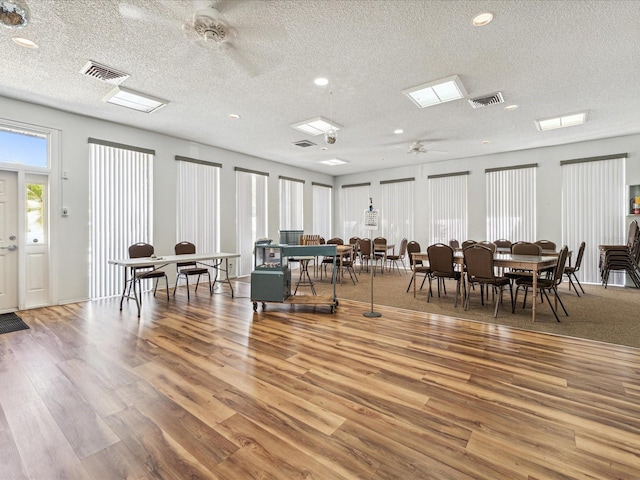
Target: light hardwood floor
{"points": [[208, 389]]}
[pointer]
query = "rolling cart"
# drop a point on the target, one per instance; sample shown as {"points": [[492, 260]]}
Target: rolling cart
{"points": [[271, 277]]}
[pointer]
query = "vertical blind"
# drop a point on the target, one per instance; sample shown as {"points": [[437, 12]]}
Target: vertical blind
{"points": [[593, 211], [448, 207], [511, 203], [396, 210], [355, 200], [322, 210], [198, 205], [251, 215], [121, 211], [291, 204]]}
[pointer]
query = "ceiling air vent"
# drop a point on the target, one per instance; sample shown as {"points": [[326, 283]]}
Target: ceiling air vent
{"points": [[104, 73], [486, 100], [304, 143]]}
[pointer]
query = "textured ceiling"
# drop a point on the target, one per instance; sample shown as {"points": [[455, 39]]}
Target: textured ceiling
{"points": [[548, 57]]}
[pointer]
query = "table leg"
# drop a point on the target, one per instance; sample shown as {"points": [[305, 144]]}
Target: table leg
{"points": [[535, 294], [216, 267]]}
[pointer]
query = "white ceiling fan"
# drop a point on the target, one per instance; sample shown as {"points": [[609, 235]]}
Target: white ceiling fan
{"points": [[227, 28], [418, 147]]}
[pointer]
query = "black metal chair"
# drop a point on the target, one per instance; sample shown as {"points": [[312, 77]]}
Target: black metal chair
{"points": [[570, 271], [188, 269], [478, 261], [546, 285], [144, 250]]}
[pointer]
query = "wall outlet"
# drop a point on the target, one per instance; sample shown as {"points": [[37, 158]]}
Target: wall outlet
{"points": [[65, 211]]}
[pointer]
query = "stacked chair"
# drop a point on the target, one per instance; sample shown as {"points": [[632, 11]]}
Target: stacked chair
{"points": [[622, 257]]}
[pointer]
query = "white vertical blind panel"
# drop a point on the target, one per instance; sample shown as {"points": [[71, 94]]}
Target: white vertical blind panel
{"points": [[355, 200], [396, 211], [121, 212], [593, 211], [251, 216], [448, 205], [291, 205], [198, 206], [322, 211], [511, 205]]}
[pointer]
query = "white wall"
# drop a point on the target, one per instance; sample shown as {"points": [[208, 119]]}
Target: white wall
{"points": [[548, 180], [70, 241]]}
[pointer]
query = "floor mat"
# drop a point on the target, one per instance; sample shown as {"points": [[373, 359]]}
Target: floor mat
{"points": [[10, 322]]}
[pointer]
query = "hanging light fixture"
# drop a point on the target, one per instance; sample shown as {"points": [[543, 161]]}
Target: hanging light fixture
{"points": [[331, 135], [14, 13]]}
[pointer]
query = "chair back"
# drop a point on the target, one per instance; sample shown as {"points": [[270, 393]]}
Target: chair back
{"points": [[364, 245], [558, 271], [440, 258], [546, 244], [579, 257], [353, 240], [503, 243], [413, 247], [379, 241], [403, 247], [478, 261], [140, 250], [453, 243], [335, 241], [185, 248], [468, 243], [490, 245], [526, 248]]}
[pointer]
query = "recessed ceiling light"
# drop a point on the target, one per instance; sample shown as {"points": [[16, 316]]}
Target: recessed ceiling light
{"points": [[511, 107], [484, 142], [439, 91], [568, 120], [316, 126], [234, 116], [398, 131], [482, 19], [134, 100], [321, 81], [324, 148], [333, 162], [24, 42]]}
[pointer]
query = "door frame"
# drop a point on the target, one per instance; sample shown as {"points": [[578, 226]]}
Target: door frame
{"points": [[51, 174]]}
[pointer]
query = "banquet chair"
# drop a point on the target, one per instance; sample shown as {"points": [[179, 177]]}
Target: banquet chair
{"points": [[143, 250], [366, 255], [622, 257], [442, 266], [478, 261], [523, 248], [189, 269], [503, 243], [394, 258], [570, 271], [453, 243], [546, 244], [328, 260], [417, 266], [347, 262], [468, 243], [545, 285], [380, 251], [490, 245]]}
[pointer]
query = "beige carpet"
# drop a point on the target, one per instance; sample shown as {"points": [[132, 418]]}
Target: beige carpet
{"points": [[609, 315]]}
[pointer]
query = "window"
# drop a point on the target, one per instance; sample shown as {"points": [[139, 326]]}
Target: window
{"points": [[36, 213], [198, 204], [291, 203], [23, 148], [593, 210], [322, 210], [396, 210], [448, 206], [511, 203], [355, 200], [251, 214], [121, 209]]}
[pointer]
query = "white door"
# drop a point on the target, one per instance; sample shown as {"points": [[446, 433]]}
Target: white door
{"points": [[8, 241]]}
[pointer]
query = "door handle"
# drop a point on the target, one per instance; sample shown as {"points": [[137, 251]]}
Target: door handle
{"points": [[11, 248]]}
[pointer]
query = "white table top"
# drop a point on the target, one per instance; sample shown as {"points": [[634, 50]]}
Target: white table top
{"points": [[168, 259]]}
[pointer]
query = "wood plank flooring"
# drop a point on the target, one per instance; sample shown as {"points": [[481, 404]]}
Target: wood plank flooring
{"points": [[208, 389]]}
